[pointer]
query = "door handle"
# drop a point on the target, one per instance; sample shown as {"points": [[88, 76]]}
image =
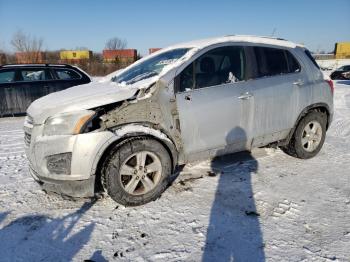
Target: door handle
{"points": [[245, 96], [298, 82]]}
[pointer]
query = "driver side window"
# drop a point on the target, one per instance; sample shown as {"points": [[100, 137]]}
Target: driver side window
{"points": [[219, 66]]}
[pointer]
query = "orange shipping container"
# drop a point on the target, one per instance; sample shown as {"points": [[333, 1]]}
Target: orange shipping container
{"points": [[2, 59], [152, 50], [122, 55]]}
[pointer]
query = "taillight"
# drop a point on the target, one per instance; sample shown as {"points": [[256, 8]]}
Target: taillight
{"points": [[331, 85]]}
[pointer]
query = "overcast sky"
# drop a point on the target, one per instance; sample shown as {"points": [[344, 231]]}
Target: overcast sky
{"points": [[73, 23]]}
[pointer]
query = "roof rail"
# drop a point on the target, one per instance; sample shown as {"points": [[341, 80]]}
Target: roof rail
{"points": [[276, 38], [268, 37], [36, 64]]}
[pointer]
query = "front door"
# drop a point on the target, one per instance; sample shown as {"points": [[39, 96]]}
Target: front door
{"points": [[31, 84], [7, 92], [215, 104]]}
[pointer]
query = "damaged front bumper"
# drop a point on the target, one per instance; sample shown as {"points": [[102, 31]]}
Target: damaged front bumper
{"points": [[65, 164], [79, 188]]}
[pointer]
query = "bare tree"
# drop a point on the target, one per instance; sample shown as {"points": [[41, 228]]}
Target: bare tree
{"points": [[26, 43], [29, 46], [116, 43]]}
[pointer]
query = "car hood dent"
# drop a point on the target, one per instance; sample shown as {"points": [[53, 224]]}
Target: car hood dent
{"points": [[80, 97]]}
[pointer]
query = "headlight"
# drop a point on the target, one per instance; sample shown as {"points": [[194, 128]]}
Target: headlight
{"points": [[67, 124]]}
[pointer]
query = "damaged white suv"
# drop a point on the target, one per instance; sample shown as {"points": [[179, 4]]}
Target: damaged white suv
{"points": [[126, 134]]}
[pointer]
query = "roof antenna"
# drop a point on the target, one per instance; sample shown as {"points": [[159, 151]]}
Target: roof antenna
{"points": [[273, 32]]}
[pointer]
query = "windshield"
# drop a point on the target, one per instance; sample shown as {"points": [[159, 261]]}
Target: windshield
{"points": [[345, 68], [150, 67]]}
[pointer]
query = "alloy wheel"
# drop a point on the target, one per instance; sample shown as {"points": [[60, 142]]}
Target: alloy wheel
{"points": [[311, 136], [140, 173]]}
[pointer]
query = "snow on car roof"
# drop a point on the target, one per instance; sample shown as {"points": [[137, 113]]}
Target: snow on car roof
{"points": [[236, 38]]}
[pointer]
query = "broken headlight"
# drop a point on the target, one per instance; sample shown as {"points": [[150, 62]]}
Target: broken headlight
{"points": [[68, 123]]}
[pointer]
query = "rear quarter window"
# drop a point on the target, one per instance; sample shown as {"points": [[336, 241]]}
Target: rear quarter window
{"points": [[308, 54], [66, 74]]}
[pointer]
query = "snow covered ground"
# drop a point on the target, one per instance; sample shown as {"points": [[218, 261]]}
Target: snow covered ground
{"points": [[255, 207]]}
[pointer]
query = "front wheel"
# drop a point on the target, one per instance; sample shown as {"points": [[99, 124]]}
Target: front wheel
{"points": [[308, 137], [137, 171]]}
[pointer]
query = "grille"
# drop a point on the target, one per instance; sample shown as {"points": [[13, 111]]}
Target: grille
{"points": [[27, 138], [28, 125]]}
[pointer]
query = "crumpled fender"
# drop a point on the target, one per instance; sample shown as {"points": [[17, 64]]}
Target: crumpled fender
{"points": [[134, 130]]}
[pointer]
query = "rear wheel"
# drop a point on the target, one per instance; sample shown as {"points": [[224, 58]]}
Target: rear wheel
{"points": [[137, 171], [308, 137]]}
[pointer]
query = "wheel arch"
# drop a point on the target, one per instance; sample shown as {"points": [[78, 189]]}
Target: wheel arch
{"points": [[132, 131], [320, 107]]}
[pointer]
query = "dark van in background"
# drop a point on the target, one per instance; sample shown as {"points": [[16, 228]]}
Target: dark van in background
{"points": [[21, 84]]}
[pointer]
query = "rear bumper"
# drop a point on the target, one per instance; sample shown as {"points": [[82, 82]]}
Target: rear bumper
{"points": [[330, 119], [78, 188]]}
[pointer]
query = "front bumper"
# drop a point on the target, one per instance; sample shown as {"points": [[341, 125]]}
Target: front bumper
{"points": [[79, 188], [86, 150]]}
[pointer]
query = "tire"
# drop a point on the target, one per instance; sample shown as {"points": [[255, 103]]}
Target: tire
{"points": [[127, 181], [299, 146]]}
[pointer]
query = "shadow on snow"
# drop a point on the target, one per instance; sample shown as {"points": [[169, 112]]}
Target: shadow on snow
{"points": [[234, 232], [42, 238]]}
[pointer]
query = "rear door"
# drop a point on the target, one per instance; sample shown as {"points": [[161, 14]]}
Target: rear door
{"points": [[276, 88], [214, 105], [7, 78]]}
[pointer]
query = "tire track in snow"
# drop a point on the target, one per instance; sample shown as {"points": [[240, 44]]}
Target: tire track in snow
{"points": [[11, 142], [7, 132], [13, 145]]}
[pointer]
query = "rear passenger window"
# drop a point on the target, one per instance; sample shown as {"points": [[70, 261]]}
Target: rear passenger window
{"points": [[7, 76], [66, 74], [274, 61], [293, 65], [32, 75]]}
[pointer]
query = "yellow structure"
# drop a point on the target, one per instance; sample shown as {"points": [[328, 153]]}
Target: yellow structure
{"points": [[342, 50], [75, 55]]}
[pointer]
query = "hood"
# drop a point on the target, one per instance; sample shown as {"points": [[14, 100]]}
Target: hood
{"points": [[79, 97]]}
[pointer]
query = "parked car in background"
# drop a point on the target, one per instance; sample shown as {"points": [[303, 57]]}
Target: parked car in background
{"points": [[21, 84], [192, 101], [342, 73]]}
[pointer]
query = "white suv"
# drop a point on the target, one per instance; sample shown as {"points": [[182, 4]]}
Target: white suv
{"points": [[127, 133]]}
